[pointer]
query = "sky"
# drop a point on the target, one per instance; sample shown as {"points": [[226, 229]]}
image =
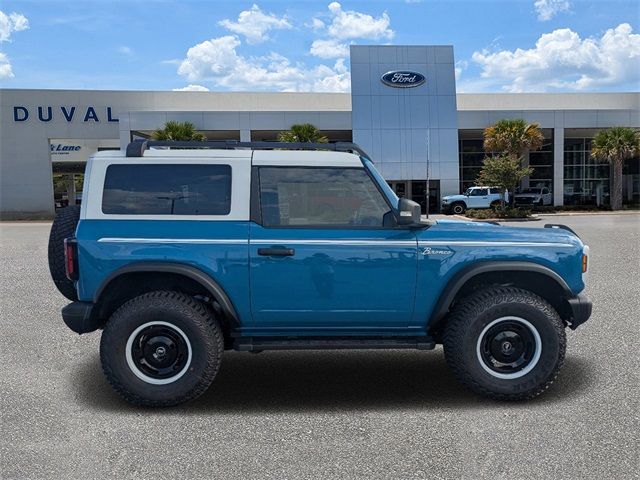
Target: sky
{"points": [[499, 46]]}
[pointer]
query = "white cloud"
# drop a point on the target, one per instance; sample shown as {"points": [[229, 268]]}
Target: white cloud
{"points": [[348, 25], [254, 24], [217, 61], [562, 60], [330, 48], [5, 67], [124, 50], [14, 22], [460, 66], [192, 88], [547, 9], [351, 24], [316, 24]]}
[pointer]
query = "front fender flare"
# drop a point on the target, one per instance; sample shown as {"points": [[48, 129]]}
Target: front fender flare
{"points": [[467, 273]]}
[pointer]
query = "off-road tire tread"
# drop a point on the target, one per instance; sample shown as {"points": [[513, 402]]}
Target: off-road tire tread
{"points": [[64, 225], [472, 307], [208, 324]]}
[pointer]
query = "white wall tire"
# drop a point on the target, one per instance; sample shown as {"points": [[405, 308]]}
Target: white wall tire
{"points": [[534, 327], [157, 320]]}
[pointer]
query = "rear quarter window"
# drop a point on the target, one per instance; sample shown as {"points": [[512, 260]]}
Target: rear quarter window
{"points": [[138, 189]]}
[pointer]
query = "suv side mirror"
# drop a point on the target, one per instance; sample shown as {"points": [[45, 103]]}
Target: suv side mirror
{"points": [[408, 212]]}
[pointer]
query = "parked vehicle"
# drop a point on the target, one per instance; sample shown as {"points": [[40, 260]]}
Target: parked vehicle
{"points": [[474, 197], [180, 254], [534, 196]]}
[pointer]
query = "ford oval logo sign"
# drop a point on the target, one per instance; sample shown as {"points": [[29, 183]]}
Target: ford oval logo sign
{"points": [[402, 79]]}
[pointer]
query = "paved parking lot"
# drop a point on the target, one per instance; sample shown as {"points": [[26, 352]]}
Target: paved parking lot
{"points": [[393, 414]]}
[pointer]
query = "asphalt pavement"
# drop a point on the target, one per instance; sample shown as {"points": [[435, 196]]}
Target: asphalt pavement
{"points": [[345, 414]]}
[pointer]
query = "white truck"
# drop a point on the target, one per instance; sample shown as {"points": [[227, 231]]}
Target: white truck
{"points": [[474, 197]]}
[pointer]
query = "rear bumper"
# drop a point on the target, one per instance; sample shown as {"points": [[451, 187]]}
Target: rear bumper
{"points": [[580, 310], [77, 316]]}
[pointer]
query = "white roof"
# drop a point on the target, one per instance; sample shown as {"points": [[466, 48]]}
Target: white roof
{"points": [[260, 157]]}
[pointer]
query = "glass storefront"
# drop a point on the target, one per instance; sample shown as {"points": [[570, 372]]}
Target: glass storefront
{"points": [[472, 154], [586, 180], [416, 190]]}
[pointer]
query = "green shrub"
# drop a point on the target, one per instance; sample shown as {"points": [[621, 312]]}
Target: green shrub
{"points": [[508, 212]]}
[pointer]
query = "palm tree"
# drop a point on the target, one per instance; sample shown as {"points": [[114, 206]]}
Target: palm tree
{"points": [[304, 132], [615, 145], [180, 131], [513, 138]]}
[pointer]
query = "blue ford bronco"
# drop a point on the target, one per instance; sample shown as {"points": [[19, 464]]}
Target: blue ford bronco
{"points": [[182, 252]]}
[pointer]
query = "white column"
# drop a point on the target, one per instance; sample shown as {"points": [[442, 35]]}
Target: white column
{"points": [[245, 135], [558, 166]]}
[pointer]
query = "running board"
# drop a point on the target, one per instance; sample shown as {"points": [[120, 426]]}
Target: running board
{"points": [[257, 344]]}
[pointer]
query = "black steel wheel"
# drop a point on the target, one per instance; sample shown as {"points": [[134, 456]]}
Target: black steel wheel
{"points": [[161, 349], [505, 343]]}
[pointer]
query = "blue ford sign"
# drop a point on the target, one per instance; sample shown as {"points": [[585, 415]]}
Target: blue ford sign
{"points": [[402, 79]]}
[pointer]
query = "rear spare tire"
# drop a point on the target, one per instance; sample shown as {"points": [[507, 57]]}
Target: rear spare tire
{"points": [[64, 226]]}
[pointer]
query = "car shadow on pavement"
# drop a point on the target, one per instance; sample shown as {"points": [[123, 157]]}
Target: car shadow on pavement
{"points": [[280, 382]]}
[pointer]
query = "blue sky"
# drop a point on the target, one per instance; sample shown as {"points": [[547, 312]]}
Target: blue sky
{"points": [[500, 46]]}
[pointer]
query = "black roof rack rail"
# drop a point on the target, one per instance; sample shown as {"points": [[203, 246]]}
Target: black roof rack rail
{"points": [[137, 147]]}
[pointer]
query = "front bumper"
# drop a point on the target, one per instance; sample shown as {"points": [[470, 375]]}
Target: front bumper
{"points": [[78, 317], [581, 307]]}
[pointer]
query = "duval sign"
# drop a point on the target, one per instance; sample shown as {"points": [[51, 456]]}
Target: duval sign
{"points": [[402, 79], [68, 113]]}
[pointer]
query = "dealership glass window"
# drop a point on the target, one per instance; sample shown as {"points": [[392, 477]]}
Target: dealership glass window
{"points": [[319, 196], [137, 189], [472, 155], [586, 180]]}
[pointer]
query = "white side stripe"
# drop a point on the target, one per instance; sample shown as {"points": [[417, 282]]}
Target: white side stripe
{"points": [[381, 242], [493, 244], [207, 241]]}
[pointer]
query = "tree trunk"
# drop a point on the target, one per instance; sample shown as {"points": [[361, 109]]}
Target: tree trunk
{"points": [[616, 194]]}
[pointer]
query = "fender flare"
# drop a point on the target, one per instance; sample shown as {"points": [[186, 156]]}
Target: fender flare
{"points": [[463, 276], [193, 273]]}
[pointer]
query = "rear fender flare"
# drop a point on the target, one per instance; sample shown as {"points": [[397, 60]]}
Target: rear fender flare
{"points": [[193, 273]]}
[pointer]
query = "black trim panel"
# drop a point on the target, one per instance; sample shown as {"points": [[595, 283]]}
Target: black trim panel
{"points": [[77, 316], [581, 308], [191, 272]]}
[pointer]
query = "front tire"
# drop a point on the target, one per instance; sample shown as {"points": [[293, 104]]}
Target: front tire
{"points": [[161, 349], [458, 208], [505, 343]]}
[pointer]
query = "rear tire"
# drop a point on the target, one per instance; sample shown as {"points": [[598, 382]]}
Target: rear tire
{"points": [[458, 208], [505, 343], [161, 349], [64, 226]]}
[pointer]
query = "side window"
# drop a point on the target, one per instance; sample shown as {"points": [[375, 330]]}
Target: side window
{"points": [[478, 192], [319, 196], [138, 189]]}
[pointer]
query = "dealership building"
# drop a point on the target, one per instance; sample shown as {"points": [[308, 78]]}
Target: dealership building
{"points": [[403, 110]]}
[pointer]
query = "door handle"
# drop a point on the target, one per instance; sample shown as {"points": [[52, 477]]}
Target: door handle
{"points": [[276, 252]]}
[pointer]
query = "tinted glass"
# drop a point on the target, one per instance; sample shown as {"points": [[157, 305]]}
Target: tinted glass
{"points": [[478, 192], [167, 190], [298, 196]]}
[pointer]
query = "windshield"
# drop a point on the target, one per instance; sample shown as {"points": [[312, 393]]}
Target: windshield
{"points": [[531, 190], [384, 186]]}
